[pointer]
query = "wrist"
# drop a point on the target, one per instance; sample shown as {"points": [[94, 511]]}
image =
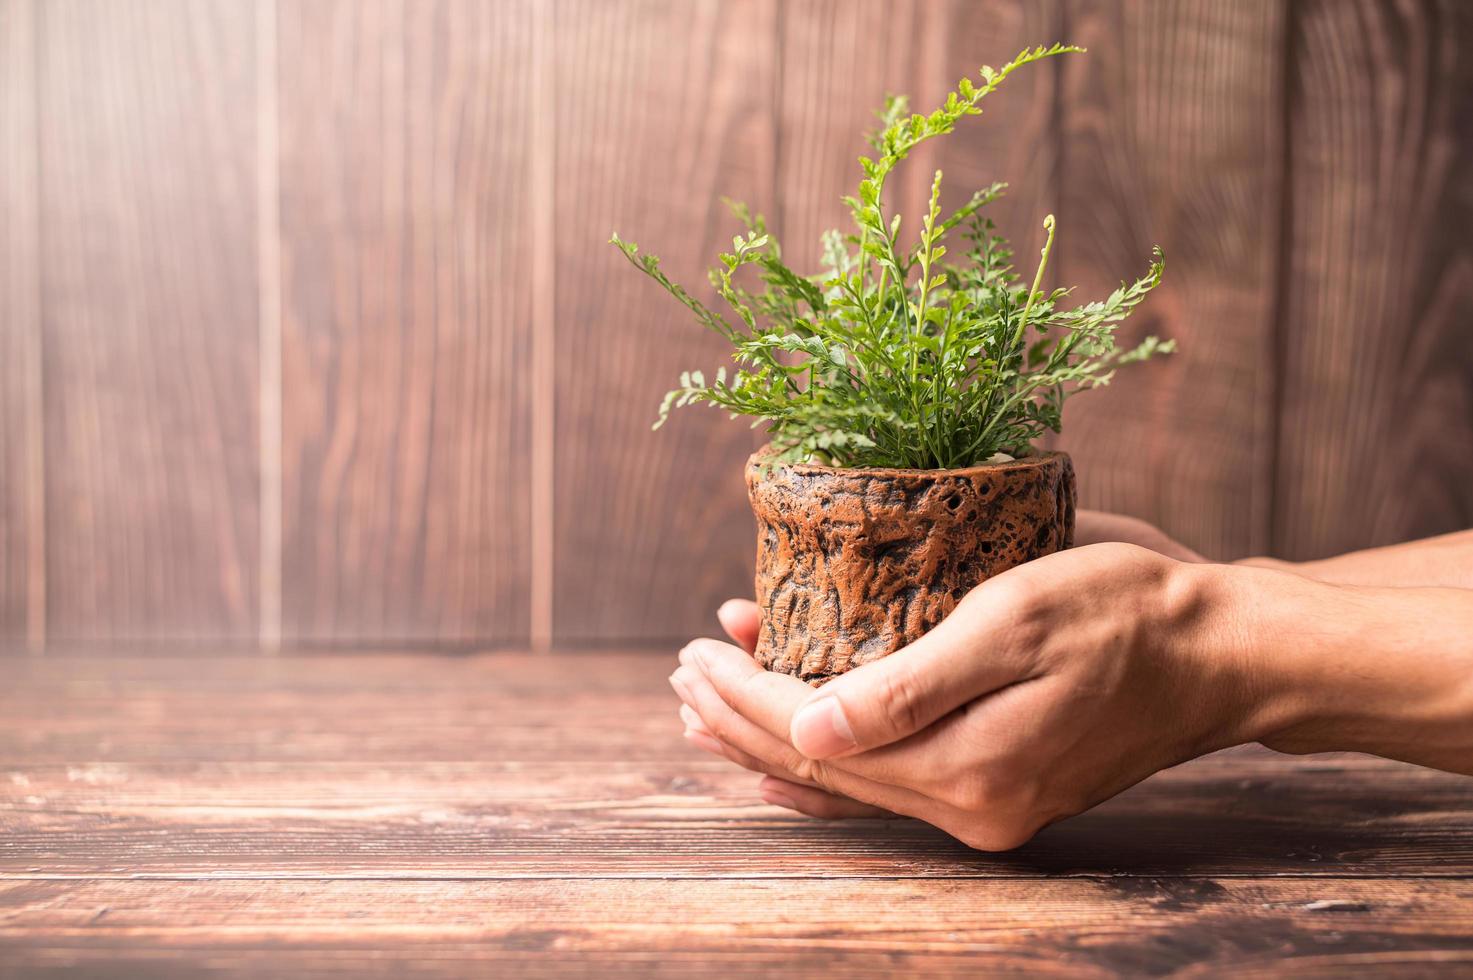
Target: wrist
{"points": [[1263, 561], [1337, 668], [1214, 624], [1284, 631]]}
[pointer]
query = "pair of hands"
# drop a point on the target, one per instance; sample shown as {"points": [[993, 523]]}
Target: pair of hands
{"points": [[1062, 682], [1048, 690]]}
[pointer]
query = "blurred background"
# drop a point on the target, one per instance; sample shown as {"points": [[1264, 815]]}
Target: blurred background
{"points": [[310, 334]]}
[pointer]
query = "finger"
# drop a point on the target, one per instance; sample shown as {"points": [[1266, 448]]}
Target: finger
{"points": [[815, 802], [740, 619], [1096, 526], [976, 829], [761, 696], [737, 732], [968, 655], [697, 734], [716, 747], [693, 720], [701, 737], [771, 700]]}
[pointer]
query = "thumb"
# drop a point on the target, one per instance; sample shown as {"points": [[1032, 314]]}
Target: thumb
{"points": [[886, 700], [741, 620]]}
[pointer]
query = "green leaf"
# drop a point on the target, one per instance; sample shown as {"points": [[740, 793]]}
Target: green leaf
{"points": [[917, 353]]}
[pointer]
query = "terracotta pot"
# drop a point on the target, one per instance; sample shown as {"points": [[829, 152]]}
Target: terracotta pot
{"points": [[853, 564]]}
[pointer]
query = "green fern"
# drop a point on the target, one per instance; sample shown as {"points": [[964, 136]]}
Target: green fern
{"points": [[892, 356]]}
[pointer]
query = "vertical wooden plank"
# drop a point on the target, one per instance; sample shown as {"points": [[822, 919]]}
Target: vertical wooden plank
{"points": [[1171, 134], [543, 245], [839, 60], [22, 515], [268, 323], [1376, 439], [149, 299], [405, 320], [662, 107]]}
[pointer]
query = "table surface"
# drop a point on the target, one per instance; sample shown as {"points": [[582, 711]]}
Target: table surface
{"points": [[428, 814]]}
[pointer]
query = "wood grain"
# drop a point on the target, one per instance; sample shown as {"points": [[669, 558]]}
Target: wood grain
{"points": [[172, 815], [740, 928], [149, 316], [1376, 441], [22, 490], [840, 59], [662, 107], [514, 765], [406, 335], [1170, 133], [670, 813]]}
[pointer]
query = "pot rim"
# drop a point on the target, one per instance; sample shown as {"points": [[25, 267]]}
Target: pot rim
{"points": [[1037, 460]]}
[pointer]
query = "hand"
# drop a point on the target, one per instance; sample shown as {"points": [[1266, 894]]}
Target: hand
{"points": [[1051, 688], [1099, 526], [741, 620]]}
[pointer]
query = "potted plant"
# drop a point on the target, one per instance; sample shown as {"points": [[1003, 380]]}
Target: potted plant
{"points": [[903, 392]]}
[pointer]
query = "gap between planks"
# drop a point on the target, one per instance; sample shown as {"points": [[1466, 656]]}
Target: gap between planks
{"points": [[268, 291], [1242, 876], [36, 538], [542, 152]]}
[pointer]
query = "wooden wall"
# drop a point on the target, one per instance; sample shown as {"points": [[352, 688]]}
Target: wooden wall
{"points": [[311, 335]]}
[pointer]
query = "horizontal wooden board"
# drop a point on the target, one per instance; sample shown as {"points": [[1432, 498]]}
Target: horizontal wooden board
{"points": [[516, 765], [693, 818], [743, 928]]}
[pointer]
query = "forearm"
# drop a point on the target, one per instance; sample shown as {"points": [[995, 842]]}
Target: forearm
{"points": [[1388, 671], [1441, 562]]}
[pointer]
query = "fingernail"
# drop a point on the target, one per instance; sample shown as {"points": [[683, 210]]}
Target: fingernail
{"points": [[778, 799], [680, 688], [703, 741], [820, 730], [692, 720]]}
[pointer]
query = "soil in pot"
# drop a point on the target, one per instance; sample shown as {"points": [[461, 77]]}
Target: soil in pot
{"points": [[853, 564]]}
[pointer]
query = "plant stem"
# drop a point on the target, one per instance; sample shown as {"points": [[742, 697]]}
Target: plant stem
{"points": [[1048, 246]]}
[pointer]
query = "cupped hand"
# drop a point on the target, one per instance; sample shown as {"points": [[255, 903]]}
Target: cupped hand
{"points": [[1051, 688]]}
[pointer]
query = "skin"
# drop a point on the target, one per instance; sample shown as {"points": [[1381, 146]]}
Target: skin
{"points": [[1062, 682]]}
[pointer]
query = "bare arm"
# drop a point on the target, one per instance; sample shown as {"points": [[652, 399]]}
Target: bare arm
{"points": [[1441, 562], [1387, 671], [1445, 561], [1060, 683]]}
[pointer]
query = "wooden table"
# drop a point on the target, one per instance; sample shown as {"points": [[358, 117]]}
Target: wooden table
{"points": [[424, 814]]}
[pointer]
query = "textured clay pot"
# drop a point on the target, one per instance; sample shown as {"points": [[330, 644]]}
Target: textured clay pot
{"points": [[853, 564]]}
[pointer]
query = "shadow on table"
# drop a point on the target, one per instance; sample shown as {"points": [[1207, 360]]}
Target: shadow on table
{"points": [[1344, 821]]}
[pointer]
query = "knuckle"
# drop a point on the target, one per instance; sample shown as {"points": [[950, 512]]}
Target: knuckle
{"points": [[997, 835], [799, 765], [970, 793], [995, 789], [901, 694], [753, 684], [813, 770], [720, 726]]}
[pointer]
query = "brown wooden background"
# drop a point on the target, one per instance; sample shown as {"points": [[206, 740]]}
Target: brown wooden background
{"points": [[310, 334]]}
